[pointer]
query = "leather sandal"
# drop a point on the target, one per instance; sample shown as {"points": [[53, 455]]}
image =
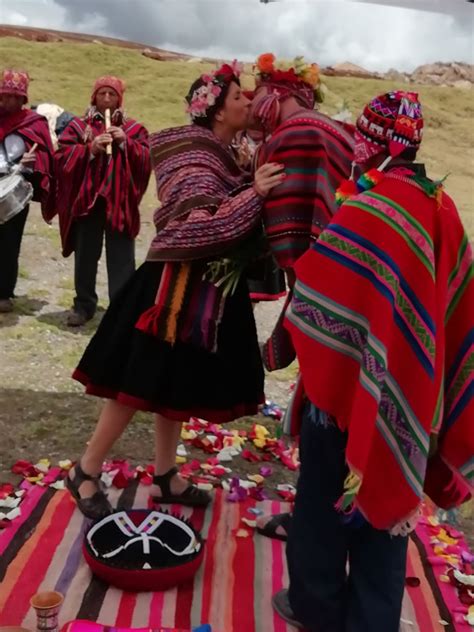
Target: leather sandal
{"points": [[281, 605], [96, 506], [270, 530], [191, 497]]}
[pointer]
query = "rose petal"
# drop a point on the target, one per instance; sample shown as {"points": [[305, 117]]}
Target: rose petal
{"points": [[242, 533], [413, 582]]}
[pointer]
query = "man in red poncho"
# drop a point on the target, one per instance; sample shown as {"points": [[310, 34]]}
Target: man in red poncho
{"points": [[99, 193], [381, 319], [20, 130]]}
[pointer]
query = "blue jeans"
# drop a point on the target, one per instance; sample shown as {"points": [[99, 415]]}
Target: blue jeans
{"points": [[324, 595]]}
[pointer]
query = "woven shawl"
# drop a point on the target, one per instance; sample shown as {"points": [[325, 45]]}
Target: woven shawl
{"points": [[206, 210], [382, 321]]}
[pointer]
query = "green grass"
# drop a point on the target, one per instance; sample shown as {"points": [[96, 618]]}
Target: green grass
{"points": [[64, 73]]}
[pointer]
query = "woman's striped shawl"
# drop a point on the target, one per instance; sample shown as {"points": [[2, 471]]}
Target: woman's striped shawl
{"points": [[119, 180], [316, 152], [206, 207], [206, 210], [382, 320]]}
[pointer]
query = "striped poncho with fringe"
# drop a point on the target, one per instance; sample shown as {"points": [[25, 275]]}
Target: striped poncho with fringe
{"points": [[382, 321]]}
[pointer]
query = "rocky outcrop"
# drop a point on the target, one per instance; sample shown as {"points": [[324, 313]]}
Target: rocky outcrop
{"points": [[347, 69], [456, 74]]}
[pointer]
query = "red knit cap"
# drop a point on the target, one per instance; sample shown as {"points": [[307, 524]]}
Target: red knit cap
{"points": [[390, 123], [15, 82], [109, 82]]}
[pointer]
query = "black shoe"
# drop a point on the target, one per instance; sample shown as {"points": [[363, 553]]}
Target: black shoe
{"points": [[6, 305], [77, 319], [281, 605]]}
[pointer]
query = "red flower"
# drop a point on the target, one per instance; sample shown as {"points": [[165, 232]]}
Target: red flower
{"points": [[225, 71], [24, 468], [5, 490], [285, 75]]}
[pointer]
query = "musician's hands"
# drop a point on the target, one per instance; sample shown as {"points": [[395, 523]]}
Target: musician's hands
{"points": [[117, 134], [28, 160], [100, 142], [268, 176]]}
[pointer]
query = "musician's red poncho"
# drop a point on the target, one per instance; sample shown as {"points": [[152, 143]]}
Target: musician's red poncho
{"points": [[33, 128], [120, 180]]}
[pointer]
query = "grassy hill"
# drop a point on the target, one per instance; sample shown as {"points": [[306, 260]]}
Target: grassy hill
{"points": [[63, 72]]}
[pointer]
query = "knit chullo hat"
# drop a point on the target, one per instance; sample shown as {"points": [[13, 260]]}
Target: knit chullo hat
{"points": [[109, 81], [390, 123], [15, 82]]}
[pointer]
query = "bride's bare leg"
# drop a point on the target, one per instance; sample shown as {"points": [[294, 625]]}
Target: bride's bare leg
{"points": [[113, 420], [167, 435]]}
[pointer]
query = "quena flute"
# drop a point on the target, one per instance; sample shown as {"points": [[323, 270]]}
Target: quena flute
{"points": [[108, 149]]}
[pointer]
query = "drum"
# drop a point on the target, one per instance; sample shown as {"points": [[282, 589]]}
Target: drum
{"points": [[15, 193]]}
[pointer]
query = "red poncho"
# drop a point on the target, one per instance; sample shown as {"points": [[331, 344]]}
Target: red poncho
{"points": [[33, 128], [120, 180], [382, 322]]}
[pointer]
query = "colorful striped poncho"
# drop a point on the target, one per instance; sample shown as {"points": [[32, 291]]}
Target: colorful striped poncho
{"points": [[382, 320], [316, 152], [33, 128], [206, 210], [119, 180]]}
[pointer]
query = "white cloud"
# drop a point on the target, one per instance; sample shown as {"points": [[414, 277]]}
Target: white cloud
{"points": [[327, 31]]}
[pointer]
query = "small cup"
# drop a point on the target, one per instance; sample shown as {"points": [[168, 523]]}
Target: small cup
{"points": [[47, 605]]}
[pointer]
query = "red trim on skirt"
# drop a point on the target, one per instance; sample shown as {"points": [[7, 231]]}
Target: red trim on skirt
{"points": [[211, 415], [260, 296]]}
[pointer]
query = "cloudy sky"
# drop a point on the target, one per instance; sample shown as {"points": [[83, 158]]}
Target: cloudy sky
{"points": [[373, 34]]}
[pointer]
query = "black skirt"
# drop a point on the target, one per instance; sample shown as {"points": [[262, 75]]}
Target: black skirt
{"points": [[178, 381]]}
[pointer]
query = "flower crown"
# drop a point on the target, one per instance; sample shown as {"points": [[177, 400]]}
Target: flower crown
{"points": [[205, 97], [268, 68]]}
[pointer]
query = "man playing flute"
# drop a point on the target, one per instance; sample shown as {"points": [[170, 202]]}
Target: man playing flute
{"points": [[102, 173]]}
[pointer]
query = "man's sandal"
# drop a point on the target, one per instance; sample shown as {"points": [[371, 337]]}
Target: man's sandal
{"points": [[276, 524], [281, 605], [191, 497], [96, 506]]}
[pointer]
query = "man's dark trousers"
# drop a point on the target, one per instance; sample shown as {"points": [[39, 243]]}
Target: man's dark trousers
{"points": [[323, 596], [11, 234], [120, 259]]}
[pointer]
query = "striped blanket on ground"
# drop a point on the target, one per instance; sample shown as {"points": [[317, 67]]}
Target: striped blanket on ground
{"points": [[42, 550], [382, 321]]}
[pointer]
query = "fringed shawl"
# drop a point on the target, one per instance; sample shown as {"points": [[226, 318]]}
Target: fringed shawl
{"points": [[382, 321]]}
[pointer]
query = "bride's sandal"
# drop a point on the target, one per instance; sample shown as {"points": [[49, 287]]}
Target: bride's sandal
{"points": [[191, 497], [96, 506]]}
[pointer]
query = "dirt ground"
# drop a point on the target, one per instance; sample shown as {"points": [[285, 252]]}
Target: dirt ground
{"points": [[43, 412]]}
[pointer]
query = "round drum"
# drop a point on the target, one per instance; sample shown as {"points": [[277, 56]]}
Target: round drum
{"points": [[142, 550], [15, 193]]}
